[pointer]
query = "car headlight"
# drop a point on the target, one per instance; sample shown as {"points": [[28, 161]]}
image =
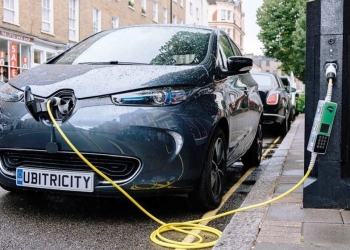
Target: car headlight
{"points": [[153, 97], [10, 94]]}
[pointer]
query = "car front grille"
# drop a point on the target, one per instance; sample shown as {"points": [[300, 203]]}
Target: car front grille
{"points": [[118, 168]]}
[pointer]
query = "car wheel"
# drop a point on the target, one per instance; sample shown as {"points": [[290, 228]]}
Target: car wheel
{"points": [[253, 156], [293, 114], [285, 126], [209, 191]]}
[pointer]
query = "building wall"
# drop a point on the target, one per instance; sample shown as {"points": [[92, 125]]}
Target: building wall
{"points": [[202, 17], [232, 23]]}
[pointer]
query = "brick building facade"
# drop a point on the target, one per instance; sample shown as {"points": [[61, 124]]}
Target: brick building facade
{"points": [[32, 31]]}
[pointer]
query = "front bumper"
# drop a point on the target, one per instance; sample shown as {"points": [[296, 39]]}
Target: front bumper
{"points": [[146, 150]]}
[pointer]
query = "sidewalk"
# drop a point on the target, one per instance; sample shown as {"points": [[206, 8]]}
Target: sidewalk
{"points": [[285, 224]]}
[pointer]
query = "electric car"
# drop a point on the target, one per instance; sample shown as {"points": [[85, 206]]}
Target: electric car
{"points": [[276, 100], [158, 109]]}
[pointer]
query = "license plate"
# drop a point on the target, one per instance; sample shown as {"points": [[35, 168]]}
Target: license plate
{"points": [[55, 179]]}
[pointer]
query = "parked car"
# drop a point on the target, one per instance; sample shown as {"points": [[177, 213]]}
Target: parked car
{"points": [[158, 109], [276, 101], [292, 94]]}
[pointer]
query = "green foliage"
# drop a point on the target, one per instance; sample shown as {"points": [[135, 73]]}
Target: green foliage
{"points": [[301, 103], [282, 24]]}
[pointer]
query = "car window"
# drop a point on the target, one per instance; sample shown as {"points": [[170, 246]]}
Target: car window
{"points": [[235, 49], [285, 81], [225, 49], [279, 82], [167, 46], [263, 81]]}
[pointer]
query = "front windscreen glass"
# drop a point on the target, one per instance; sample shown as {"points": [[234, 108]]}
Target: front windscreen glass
{"points": [[146, 45]]}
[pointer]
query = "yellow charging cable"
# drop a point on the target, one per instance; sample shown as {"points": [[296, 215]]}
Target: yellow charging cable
{"points": [[182, 227]]}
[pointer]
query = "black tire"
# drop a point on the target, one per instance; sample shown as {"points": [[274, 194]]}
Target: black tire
{"points": [[252, 157], [209, 191], [285, 126]]}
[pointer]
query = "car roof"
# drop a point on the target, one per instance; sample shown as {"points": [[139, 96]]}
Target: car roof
{"points": [[187, 26]]}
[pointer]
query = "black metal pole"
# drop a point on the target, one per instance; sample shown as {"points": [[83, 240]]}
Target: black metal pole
{"points": [[327, 36]]}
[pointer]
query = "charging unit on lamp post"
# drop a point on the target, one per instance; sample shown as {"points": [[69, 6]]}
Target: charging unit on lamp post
{"points": [[327, 41]]}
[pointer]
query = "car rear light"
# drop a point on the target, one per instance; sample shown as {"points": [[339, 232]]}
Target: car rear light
{"points": [[272, 99]]}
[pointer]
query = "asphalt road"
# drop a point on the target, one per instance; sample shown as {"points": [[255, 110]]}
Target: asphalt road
{"points": [[45, 221]]}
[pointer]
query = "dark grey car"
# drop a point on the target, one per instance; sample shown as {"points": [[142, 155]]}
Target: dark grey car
{"points": [[158, 109]]}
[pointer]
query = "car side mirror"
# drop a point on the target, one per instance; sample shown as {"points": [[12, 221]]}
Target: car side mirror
{"points": [[239, 64], [293, 89]]}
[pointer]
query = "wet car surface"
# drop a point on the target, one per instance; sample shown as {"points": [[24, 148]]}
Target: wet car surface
{"points": [[157, 114]]}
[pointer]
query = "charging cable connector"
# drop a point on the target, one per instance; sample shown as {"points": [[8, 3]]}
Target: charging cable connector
{"points": [[331, 74], [61, 104], [331, 71]]}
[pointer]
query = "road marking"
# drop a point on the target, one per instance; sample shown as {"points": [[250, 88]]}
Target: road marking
{"points": [[190, 238]]}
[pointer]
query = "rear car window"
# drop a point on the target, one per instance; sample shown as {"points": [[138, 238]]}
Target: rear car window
{"points": [[263, 81]]}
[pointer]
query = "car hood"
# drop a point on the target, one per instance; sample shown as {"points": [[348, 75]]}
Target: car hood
{"points": [[98, 80]]}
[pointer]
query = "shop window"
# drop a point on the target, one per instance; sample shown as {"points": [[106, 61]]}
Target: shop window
{"points": [[14, 59]]}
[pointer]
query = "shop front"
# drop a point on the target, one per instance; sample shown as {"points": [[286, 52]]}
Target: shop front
{"points": [[15, 54]]}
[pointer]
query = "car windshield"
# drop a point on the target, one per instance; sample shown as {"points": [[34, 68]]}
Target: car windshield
{"points": [[141, 45], [264, 81]]}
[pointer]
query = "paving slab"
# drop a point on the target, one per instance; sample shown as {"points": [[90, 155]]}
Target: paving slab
{"points": [[282, 188], [325, 234], [291, 212], [346, 216]]}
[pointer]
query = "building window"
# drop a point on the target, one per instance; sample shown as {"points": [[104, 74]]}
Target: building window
{"points": [[197, 13], [96, 15], [115, 22], [191, 8], [228, 18], [174, 19], [182, 3], [165, 15], [143, 6], [155, 12], [131, 3], [73, 20], [47, 16], [226, 15], [11, 11]]}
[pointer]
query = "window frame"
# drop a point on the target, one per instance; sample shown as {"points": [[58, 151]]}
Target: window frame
{"points": [[75, 19], [14, 11], [155, 12], [115, 22], [96, 20], [165, 15], [47, 9]]}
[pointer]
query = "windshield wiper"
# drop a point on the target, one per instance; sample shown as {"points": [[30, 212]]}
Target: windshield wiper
{"points": [[114, 63]]}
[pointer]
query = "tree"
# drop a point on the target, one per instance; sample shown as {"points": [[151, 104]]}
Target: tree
{"points": [[283, 33]]}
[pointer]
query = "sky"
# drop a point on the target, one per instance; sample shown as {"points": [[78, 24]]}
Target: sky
{"points": [[251, 41]]}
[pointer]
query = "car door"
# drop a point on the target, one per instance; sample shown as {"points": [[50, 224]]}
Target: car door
{"points": [[236, 99]]}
